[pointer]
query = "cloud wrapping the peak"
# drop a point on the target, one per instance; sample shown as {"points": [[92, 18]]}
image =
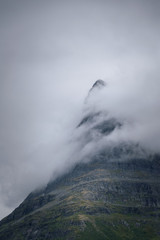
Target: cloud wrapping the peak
{"points": [[50, 55], [134, 102]]}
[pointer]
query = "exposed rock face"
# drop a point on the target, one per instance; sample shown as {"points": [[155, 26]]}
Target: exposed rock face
{"points": [[98, 84], [115, 195]]}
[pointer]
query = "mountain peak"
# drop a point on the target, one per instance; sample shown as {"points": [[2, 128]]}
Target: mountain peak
{"points": [[99, 83], [110, 192]]}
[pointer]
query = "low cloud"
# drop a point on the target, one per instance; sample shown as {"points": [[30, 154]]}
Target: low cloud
{"points": [[135, 102], [60, 144], [51, 54]]}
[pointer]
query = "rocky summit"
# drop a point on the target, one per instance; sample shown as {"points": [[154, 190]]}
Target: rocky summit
{"points": [[114, 195]]}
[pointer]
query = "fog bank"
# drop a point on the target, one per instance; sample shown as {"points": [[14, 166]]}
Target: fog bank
{"points": [[50, 55]]}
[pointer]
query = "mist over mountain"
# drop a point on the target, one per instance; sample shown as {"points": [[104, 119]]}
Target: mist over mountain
{"points": [[51, 53], [104, 185], [128, 111]]}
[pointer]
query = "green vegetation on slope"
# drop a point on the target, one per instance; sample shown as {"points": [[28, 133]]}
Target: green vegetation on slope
{"points": [[98, 200]]}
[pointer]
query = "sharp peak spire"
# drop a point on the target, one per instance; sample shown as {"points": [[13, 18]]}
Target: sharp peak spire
{"points": [[99, 83]]}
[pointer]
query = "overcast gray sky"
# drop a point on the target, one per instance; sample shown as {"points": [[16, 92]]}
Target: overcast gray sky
{"points": [[51, 52]]}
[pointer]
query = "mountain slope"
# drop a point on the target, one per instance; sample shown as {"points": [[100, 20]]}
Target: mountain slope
{"points": [[115, 194]]}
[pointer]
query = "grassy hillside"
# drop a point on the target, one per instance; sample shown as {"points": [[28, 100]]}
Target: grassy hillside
{"points": [[103, 199]]}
